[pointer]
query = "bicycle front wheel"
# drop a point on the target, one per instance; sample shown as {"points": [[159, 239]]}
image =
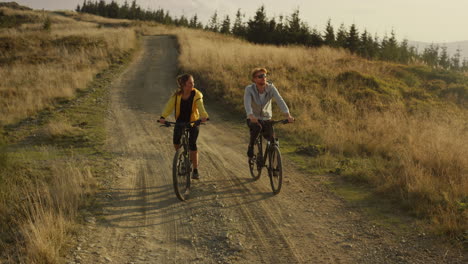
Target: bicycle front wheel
{"points": [[275, 170], [256, 162], [181, 174]]}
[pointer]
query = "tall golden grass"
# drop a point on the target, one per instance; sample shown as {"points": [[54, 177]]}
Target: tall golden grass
{"points": [[44, 207], [38, 66], [394, 134], [40, 189]]}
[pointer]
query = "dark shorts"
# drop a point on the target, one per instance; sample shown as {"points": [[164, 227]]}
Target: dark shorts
{"points": [[266, 129], [193, 135]]}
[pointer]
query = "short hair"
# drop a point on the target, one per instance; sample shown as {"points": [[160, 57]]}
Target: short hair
{"points": [[257, 70]]}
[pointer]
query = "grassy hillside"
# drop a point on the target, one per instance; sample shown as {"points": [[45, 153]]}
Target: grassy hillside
{"points": [[53, 102], [41, 63], [401, 129]]}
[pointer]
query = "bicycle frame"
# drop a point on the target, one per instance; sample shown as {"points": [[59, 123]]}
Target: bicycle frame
{"points": [[266, 153], [182, 164]]}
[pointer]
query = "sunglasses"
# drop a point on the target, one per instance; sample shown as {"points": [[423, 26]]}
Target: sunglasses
{"points": [[261, 76]]}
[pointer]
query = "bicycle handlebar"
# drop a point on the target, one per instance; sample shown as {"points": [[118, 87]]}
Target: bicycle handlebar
{"points": [[169, 123], [283, 121]]}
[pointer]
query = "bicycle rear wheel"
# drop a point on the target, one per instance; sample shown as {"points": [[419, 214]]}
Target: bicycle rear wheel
{"points": [[275, 170], [181, 174], [256, 162]]}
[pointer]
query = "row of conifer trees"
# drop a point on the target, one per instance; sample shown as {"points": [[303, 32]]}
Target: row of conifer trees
{"points": [[289, 30]]}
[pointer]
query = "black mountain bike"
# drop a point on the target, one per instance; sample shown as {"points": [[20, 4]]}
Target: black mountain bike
{"points": [[272, 155], [181, 164]]}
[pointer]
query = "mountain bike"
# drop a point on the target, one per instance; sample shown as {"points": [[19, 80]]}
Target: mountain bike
{"points": [[181, 163], [271, 154]]}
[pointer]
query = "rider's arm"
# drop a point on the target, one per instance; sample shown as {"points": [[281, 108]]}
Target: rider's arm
{"points": [[201, 108], [248, 103], [282, 104], [279, 100], [169, 108]]}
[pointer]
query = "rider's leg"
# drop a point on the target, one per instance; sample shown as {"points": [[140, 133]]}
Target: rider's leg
{"points": [[255, 129], [178, 130], [194, 158], [193, 135], [268, 132]]}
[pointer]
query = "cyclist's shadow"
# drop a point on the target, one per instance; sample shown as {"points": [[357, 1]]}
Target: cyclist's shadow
{"points": [[228, 189]]}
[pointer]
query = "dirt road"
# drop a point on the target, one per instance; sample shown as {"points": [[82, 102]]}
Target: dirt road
{"points": [[229, 218]]}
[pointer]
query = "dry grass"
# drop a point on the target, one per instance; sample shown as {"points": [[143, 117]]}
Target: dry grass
{"points": [[39, 66], [45, 210], [415, 143], [56, 129], [42, 189]]}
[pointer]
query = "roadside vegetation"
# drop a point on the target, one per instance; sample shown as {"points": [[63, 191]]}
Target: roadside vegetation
{"points": [[53, 103], [400, 129]]}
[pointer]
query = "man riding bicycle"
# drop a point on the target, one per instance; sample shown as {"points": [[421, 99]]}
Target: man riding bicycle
{"points": [[257, 103]]}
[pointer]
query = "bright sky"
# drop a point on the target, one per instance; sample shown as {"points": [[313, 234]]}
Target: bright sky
{"points": [[418, 20]]}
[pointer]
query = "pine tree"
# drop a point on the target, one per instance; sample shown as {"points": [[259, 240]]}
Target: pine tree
{"points": [[124, 10], [329, 36], [226, 26], [238, 29], [102, 8], [194, 23], [213, 24], [352, 39], [431, 55], [181, 22], [389, 48], [279, 34], [444, 60], [341, 36], [113, 10], [405, 54], [455, 60], [465, 64], [297, 31], [257, 29], [316, 39]]}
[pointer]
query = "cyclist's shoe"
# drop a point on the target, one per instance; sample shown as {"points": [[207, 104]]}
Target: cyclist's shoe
{"points": [[195, 175], [250, 152]]}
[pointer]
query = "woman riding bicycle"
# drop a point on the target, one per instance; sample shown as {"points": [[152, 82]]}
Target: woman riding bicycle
{"points": [[257, 103], [187, 104]]}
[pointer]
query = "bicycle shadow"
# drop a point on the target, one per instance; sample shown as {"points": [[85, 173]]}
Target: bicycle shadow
{"points": [[133, 208]]}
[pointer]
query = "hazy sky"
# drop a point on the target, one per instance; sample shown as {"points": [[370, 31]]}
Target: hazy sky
{"points": [[418, 20]]}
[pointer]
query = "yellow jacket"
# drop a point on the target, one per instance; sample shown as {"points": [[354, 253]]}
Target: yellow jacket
{"points": [[197, 106]]}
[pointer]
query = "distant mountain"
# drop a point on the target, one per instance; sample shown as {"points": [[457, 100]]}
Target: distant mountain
{"points": [[451, 47]]}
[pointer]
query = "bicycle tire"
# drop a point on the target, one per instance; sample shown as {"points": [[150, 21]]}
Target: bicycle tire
{"points": [[255, 163], [181, 175], [275, 169]]}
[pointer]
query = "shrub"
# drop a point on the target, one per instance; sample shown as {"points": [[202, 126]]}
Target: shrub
{"points": [[47, 24]]}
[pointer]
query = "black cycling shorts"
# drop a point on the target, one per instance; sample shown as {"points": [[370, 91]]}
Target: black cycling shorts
{"points": [[193, 135]]}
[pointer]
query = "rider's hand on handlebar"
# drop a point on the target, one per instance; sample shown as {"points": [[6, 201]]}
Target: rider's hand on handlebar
{"points": [[162, 121], [204, 119], [253, 119], [290, 118]]}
